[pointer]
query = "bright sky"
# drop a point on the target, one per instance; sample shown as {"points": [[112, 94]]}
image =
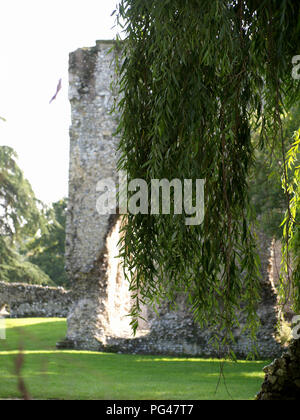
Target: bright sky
{"points": [[35, 40]]}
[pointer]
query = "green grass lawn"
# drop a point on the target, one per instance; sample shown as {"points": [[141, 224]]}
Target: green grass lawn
{"points": [[53, 374]]}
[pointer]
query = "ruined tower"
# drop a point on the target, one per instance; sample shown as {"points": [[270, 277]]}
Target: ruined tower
{"points": [[91, 238]]}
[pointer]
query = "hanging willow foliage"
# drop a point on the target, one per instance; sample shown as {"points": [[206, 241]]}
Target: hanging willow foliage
{"points": [[290, 267], [196, 76]]}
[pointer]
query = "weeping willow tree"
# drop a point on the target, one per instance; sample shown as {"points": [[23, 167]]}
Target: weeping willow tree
{"points": [[290, 278], [196, 78]]}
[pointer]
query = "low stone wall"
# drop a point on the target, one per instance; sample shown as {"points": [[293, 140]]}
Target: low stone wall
{"points": [[282, 381], [176, 333], [26, 301]]}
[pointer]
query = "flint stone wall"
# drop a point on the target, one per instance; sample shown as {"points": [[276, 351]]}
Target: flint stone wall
{"points": [[98, 317], [100, 297], [26, 301], [175, 332], [282, 380]]}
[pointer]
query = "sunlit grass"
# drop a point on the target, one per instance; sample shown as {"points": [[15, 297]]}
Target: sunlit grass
{"points": [[64, 374]]}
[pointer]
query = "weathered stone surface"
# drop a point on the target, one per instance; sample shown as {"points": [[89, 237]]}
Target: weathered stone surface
{"points": [[176, 333], [101, 300], [26, 300], [275, 270], [282, 380]]}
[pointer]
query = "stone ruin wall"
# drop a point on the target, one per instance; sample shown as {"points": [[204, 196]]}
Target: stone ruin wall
{"points": [[98, 305], [175, 332], [282, 379], [91, 240], [24, 301], [98, 317]]}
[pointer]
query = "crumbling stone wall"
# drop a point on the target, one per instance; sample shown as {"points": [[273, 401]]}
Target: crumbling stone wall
{"points": [[26, 301], [100, 298], [101, 301], [176, 333]]}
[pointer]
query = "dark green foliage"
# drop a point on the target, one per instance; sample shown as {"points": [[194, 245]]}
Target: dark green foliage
{"points": [[21, 216], [197, 77], [267, 194], [290, 281], [16, 269], [48, 251], [18, 206]]}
